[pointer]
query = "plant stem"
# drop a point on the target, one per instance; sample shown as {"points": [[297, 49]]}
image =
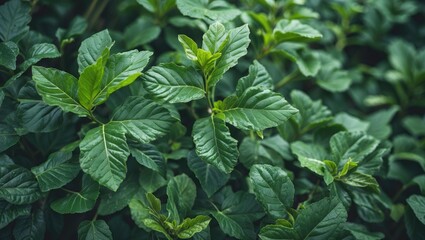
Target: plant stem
{"points": [[288, 78]]}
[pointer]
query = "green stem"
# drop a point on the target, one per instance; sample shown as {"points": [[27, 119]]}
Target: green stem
{"points": [[288, 78], [93, 118]]}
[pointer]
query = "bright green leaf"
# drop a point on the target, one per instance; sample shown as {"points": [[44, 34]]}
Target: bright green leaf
{"points": [[295, 31], [191, 226]]}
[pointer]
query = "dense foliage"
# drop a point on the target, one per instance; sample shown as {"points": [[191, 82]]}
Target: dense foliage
{"points": [[212, 119]]}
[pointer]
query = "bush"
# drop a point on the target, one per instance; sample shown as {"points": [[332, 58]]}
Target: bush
{"points": [[212, 119]]}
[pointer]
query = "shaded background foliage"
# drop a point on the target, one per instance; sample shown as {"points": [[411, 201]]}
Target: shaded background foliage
{"points": [[355, 70]]}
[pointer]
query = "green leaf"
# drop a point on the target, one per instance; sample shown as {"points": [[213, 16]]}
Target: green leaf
{"points": [[143, 119], [139, 212], [218, 10], [154, 202], [415, 229], [18, 185], [160, 7], [191, 226], [78, 202], [369, 207], [77, 27], [402, 57], [154, 225], [277, 232], [308, 61], [149, 156], [150, 180], [235, 48], [111, 202], [210, 177], [215, 38], [257, 76], [94, 230], [238, 212], [56, 171], [321, 220], [8, 52], [253, 152], [257, 109], [174, 84], [272, 188], [311, 114], [214, 143], [310, 156], [91, 79], [357, 179], [351, 123], [415, 125], [34, 115], [330, 76], [30, 227], [104, 152], [181, 192], [37, 52], [149, 31], [360, 232], [8, 137], [58, 88], [295, 31], [189, 46], [10, 212], [92, 48], [14, 18], [417, 203]]}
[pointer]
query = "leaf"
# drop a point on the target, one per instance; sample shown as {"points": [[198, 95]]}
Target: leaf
{"points": [[10, 212], [8, 52], [8, 137], [189, 46], [139, 212], [360, 232], [311, 114], [159, 7], [121, 70], [91, 79], [18, 185], [92, 48], [258, 76], [77, 27], [111, 202], [181, 192], [149, 156], [351, 123], [30, 227], [257, 109], [58, 88], [150, 180], [401, 56], [154, 225], [330, 76], [357, 179], [56, 171], [78, 202], [321, 220], [191, 226], [37, 52], [142, 119], [174, 84], [308, 61], [210, 177], [295, 31], [218, 10], [214, 143], [415, 229], [235, 48], [369, 207], [94, 230], [253, 152], [238, 212], [417, 203], [14, 19], [310, 156], [415, 125], [147, 29], [34, 115], [103, 155], [272, 188], [215, 38]]}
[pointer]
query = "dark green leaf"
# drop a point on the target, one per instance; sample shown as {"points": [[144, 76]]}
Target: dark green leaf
{"points": [[8, 52], [143, 119], [18, 185], [9, 212], [258, 76], [417, 203], [147, 29], [104, 153], [56, 171], [78, 202], [181, 192], [30, 227], [14, 19], [211, 178], [214, 143], [273, 188], [257, 109], [174, 83], [149, 156], [8, 137], [94, 230]]}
